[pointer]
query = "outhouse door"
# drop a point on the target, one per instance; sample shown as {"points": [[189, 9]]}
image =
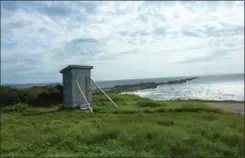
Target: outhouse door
{"points": [[81, 79]]}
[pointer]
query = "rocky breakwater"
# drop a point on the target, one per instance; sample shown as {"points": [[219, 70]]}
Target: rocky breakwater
{"points": [[141, 86], [179, 81]]}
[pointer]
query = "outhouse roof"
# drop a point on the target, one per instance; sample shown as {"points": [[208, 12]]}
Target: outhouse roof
{"points": [[76, 67]]}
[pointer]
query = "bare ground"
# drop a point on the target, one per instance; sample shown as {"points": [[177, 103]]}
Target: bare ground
{"points": [[234, 107]]}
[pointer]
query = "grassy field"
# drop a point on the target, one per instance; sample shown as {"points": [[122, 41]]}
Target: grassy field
{"points": [[140, 127]]}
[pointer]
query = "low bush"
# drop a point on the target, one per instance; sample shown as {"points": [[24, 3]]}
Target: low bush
{"points": [[32, 96], [47, 99], [7, 95], [10, 96], [59, 87]]}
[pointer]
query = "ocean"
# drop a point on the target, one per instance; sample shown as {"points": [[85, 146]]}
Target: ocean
{"points": [[223, 87], [215, 87]]}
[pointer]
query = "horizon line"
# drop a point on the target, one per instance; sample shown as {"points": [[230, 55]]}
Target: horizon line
{"points": [[127, 79]]}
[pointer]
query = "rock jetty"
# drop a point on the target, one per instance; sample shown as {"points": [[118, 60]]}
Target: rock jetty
{"points": [[141, 86]]}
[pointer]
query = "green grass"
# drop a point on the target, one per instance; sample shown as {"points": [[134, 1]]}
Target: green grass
{"points": [[210, 101], [140, 127]]}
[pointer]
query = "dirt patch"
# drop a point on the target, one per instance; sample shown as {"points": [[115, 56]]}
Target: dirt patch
{"points": [[234, 107]]}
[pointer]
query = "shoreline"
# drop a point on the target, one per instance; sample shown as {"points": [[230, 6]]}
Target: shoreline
{"points": [[153, 85], [204, 101], [56, 91], [141, 86]]}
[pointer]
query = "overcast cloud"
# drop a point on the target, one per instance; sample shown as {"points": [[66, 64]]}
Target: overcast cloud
{"points": [[122, 40]]}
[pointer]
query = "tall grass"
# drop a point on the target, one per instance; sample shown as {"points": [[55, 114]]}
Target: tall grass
{"points": [[140, 127], [75, 133]]}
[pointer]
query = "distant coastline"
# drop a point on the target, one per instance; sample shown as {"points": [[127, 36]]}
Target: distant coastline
{"points": [[126, 87], [141, 86], [121, 82], [204, 88]]}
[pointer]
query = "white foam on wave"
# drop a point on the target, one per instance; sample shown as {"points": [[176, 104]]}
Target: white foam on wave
{"points": [[217, 91], [228, 90], [142, 93]]}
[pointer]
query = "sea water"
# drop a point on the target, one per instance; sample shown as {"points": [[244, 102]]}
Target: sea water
{"points": [[218, 87], [226, 87]]}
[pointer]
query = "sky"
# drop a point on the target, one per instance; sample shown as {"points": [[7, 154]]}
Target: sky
{"points": [[121, 40]]}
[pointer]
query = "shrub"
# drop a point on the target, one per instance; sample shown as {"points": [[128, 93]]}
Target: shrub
{"points": [[43, 96], [10, 95], [27, 96], [59, 87], [7, 95], [47, 99]]}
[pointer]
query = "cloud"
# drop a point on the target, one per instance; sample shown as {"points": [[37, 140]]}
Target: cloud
{"points": [[213, 56], [122, 40]]}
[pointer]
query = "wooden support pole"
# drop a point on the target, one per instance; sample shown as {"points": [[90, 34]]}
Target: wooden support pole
{"points": [[90, 108], [103, 92]]}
